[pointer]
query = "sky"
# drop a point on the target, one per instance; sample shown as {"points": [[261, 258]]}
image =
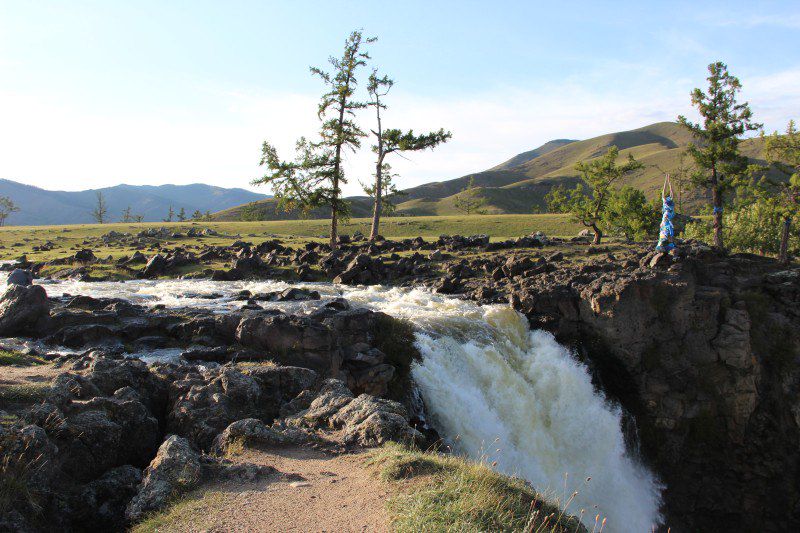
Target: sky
{"points": [[93, 94]]}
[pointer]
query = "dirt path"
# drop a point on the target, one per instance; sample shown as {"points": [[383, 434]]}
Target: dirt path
{"points": [[324, 493]]}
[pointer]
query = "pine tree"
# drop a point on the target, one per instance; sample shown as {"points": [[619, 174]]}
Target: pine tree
{"points": [[315, 177], [720, 166], [100, 209], [197, 215], [390, 141], [170, 214], [182, 214]]}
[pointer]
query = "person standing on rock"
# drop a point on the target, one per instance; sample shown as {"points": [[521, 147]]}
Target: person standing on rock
{"points": [[666, 235]]}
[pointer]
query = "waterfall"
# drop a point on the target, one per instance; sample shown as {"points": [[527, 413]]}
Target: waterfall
{"points": [[494, 389], [517, 399]]}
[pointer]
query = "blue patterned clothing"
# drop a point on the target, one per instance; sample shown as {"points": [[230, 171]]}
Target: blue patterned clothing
{"points": [[666, 234]]}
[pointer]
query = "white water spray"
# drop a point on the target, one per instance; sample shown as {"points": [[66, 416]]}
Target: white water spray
{"points": [[494, 389]]}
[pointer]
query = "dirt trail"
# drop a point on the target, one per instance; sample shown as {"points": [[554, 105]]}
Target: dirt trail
{"points": [[336, 494]]}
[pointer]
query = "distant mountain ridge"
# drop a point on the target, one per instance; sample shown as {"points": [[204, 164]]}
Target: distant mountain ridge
{"points": [[41, 206], [520, 184]]}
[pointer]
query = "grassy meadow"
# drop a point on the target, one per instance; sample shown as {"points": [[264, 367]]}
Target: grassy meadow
{"points": [[21, 240]]}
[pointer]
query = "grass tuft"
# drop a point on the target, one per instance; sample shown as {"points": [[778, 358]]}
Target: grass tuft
{"points": [[8, 358], [16, 470], [196, 509], [449, 493]]}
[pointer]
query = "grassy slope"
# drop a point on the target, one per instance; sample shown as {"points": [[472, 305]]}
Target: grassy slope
{"points": [[520, 184], [448, 493]]}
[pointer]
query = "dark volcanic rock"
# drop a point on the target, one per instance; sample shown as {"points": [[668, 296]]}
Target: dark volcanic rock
{"points": [[21, 308], [176, 469], [20, 277], [700, 347]]}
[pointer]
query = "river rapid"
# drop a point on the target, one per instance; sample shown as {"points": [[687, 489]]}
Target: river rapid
{"points": [[495, 390]]}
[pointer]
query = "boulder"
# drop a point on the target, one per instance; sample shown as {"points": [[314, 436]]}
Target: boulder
{"points": [[175, 470], [155, 266], [370, 421], [21, 307], [250, 432], [100, 505], [104, 433], [20, 277], [84, 256]]}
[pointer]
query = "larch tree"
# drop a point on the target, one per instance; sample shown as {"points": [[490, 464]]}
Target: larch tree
{"points": [[126, 214], [170, 214], [100, 211], [182, 214], [391, 141], [314, 178], [715, 150], [783, 154], [589, 207]]}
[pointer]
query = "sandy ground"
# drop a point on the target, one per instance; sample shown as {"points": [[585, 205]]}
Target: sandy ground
{"points": [[20, 375], [324, 493]]}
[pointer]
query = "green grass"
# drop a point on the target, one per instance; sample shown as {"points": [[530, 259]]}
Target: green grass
{"points": [[448, 493], [195, 509], [20, 240], [17, 359]]}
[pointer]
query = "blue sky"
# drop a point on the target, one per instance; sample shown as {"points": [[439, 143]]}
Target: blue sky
{"points": [[97, 93]]}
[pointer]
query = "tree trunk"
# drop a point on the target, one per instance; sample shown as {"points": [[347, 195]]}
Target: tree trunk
{"points": [[716, 200], [783, 254], [337, 162], [376, 210], [597, 234]]}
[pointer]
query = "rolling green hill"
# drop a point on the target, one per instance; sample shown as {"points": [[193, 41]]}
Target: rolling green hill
{"points": [[519, 184]]}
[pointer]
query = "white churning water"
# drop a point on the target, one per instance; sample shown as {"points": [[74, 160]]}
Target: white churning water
{"points": [[496, 390]]}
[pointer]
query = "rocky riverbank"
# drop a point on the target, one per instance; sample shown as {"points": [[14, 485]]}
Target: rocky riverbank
{"points": [[699, 347], [114, 438]]}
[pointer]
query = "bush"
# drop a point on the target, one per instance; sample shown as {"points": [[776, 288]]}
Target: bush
{"points": [[628, 213], [754, 227]]}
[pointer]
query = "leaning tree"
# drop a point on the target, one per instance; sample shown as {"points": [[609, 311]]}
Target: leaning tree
{"points": [[588, 202]]}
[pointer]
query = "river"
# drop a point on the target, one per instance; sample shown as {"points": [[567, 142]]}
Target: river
{"points": [[495, 390]]}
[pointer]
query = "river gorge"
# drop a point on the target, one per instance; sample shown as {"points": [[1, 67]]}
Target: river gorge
{"points": [[652, 393]]}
